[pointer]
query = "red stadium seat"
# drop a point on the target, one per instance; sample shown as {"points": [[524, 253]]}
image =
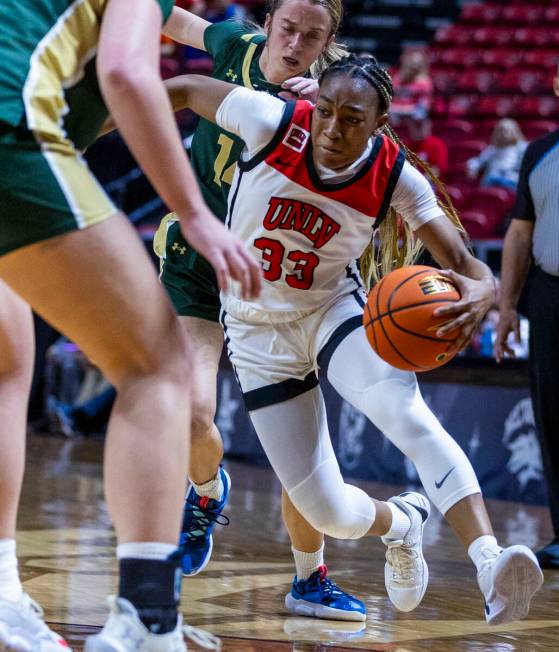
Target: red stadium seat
{"points": [[456, 195], [544, 59], [501, 57], [537, 107], [463, 57], [461, 105], [453, 35], [493, 202], [463, 150], [493, 36], [480, 13], [439, 107], [552, 15], [499, 106], [476, 224], [475, 80], [533, 129], [453, 130], [522, 14], [443, 80], [484, 129], [527, 81], [533, 37]]}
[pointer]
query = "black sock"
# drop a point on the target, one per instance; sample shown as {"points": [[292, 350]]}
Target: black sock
{"points": [[153, 587]]}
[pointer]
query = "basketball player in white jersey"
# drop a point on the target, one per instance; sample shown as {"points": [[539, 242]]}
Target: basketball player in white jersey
{"points": [[311, 185]]}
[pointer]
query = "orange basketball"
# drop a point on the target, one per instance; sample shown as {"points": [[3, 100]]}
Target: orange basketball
{"points": [[399, 319]]}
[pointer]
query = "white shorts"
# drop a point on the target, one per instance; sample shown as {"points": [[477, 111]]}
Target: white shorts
{"points": [[276, 362]]}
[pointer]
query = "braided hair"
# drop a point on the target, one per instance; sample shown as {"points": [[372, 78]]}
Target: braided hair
{"points": [[398, 246]]}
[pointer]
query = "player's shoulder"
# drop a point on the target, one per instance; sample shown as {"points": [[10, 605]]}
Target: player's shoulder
{"points": [[229, 34]]}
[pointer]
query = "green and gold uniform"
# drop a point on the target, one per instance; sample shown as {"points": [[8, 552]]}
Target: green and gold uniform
{"points": [[188, 277], [50, 108]]}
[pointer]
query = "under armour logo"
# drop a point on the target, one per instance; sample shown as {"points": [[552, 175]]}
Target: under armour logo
{"points": [[232, 75], [176, 247]]}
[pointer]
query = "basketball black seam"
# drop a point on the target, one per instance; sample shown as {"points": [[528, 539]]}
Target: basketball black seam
{"points": [[373, 327], [425, 337], [412, 364], [409, 307]]}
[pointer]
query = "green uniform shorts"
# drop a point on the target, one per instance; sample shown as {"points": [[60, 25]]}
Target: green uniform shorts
{"points": [[188, 278], [45, 190]]}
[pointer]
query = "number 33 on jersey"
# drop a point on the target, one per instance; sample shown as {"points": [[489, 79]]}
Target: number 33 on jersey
{"points": [[303, 230]]}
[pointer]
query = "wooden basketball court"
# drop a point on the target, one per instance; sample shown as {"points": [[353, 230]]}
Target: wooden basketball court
{"points": [[66, 551]]}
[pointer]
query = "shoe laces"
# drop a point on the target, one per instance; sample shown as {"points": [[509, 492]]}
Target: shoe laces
{"points": [[328, 588], [202, 637], [402, 558], [203, 517]]}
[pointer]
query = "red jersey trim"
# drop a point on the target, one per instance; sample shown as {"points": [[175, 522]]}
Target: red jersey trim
{"points": [[368, 192]]}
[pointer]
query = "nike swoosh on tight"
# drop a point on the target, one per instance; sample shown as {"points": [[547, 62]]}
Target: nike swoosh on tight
{"points": [[440, 484]]}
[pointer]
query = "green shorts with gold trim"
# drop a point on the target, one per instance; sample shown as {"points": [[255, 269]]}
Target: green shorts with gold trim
{"points": [[188, 277], [45, 190]]}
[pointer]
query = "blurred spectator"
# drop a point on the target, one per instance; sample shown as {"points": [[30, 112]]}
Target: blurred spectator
{"points": [[429, 148], [499, 162], [413, 87]]}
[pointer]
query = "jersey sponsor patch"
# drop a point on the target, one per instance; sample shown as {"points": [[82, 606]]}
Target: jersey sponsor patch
{"points": [[296, 138]]}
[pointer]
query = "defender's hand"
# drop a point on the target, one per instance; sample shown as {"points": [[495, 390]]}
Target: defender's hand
{"points": [[224, 251], [300, 88]]}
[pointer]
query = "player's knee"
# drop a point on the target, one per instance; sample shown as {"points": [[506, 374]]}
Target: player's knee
{"points": [[168, 362], [336, 513]]}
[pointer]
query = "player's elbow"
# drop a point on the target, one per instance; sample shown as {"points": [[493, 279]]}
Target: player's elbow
{"points": [[120, 76]]}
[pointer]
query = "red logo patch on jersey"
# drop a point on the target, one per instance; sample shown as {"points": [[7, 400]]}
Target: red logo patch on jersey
{"points": [[303, 217], [296, 138]]}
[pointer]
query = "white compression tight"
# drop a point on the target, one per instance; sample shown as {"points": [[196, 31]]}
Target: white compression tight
{"points": [[295, 437]]}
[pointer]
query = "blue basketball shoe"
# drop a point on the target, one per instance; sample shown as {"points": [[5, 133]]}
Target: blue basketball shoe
{"points": [[200, 516], [320, 597]]}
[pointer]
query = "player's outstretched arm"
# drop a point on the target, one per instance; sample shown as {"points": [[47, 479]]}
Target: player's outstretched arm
{"points": [[186, 28], [128, 71], [472, 277]]}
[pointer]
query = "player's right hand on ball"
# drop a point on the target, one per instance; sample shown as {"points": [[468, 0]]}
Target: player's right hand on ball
{"points": [[224, 251], [508, 323]]}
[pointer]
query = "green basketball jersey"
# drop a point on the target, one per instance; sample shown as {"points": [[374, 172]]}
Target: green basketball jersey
{"points": [[236, 53], [47, 67]]}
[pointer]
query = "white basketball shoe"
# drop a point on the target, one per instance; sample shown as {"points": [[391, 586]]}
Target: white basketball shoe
{"points": [[22, 628], [405, 573], [508, 582], [125, 632]]}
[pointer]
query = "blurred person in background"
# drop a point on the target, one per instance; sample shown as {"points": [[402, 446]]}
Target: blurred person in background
{"points": [[533, 236], [430, 148], [413, 87], [499, 163]]}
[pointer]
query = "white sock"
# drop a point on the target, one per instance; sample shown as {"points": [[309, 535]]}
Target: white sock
{"points": [[483, 548], [400, 523], [212, 488], [145, 550], [10, 584], [306, 563]]}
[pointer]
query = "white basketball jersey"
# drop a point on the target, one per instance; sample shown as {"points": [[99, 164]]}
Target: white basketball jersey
{"points": [[307, 234]]}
